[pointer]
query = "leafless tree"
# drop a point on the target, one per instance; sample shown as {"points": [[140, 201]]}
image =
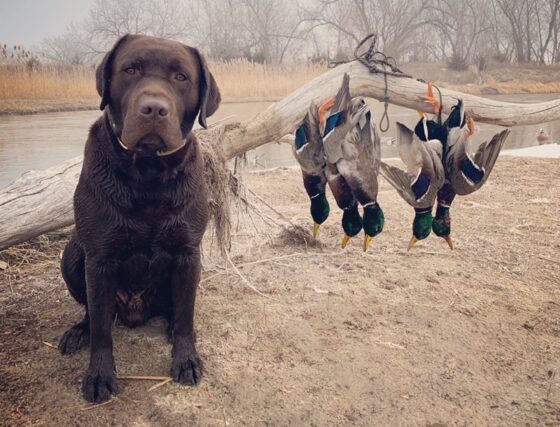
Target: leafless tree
{"points": [[395, 22], [459, 26], [276, 32], [545, 21]]}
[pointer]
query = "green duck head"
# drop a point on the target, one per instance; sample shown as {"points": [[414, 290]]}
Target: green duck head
{"points": [[319, 211], [351, 223], [373, 223], [442, 224], [421, 226]]}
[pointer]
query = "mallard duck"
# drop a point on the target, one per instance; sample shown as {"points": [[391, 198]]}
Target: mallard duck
{"points": [[353, 151], [308, 151], [424, 177], [465, 170]]}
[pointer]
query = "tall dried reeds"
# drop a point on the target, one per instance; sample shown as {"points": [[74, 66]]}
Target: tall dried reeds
{"points": [[237, 79]]}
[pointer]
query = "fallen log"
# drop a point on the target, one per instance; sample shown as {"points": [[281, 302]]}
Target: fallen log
{"points": [[41, 201], [38, 202], [284, 116]]}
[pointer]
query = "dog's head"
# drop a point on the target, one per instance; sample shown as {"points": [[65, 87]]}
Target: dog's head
{"points": [[155, 88]]}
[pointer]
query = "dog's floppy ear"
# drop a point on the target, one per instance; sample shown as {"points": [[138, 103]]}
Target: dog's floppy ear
{"points": [[103, 73], [209, 93]]}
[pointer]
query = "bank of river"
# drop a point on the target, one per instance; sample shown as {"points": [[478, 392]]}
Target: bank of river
{"points": [[38, 141]]}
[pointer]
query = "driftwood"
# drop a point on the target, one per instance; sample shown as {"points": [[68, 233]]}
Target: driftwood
{"points": [[41, 201]]}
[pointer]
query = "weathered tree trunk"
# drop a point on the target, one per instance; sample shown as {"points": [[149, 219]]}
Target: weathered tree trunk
{"points": [[38, 202], [284, 116], [42, 201]]}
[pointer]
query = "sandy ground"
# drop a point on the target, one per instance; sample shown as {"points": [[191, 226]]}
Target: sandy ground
{"points": [[431, 337]]}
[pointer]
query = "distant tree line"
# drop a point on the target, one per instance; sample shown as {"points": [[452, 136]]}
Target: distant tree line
{"points": [[460, 32]]}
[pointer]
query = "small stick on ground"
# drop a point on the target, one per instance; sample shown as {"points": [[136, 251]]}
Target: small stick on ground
{"points": [[89, 408], [548, 259], [158, 385], [268, 205], [273, 259], [48, 344], [249, 284], [142, 378]]}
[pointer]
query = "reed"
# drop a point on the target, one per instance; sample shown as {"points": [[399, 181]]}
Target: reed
{"points": [[240, 79], [237, 79], [19, 81]]}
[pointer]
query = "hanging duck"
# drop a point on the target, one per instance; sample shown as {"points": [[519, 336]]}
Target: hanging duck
{"points": [[424, 177], [353, 152], [466, 169], [308, 151]]}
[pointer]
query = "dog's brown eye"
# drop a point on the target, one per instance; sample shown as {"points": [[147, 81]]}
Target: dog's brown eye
{"points": [[181, 77], [130, 70]]}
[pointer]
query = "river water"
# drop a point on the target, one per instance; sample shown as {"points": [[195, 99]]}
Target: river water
{"points": [[32, 142]]}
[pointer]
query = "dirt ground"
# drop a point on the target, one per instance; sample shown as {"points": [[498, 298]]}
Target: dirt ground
{"points": [[432, 337]]}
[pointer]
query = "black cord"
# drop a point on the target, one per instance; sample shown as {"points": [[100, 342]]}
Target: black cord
{"points": [[379, 63], [385, 116]]}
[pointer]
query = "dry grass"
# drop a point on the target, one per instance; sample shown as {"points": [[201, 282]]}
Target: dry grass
{"points": [[498, 78], [237, 79], [46, 82], [243, 79], [25, 89]]}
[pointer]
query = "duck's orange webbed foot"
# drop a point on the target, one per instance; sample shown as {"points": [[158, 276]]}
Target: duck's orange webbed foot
{"points": [[471, 127], [323, 108], [431, 99]]}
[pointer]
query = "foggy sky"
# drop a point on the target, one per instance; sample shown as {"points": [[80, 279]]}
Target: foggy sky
{"points": [[27, 22]]}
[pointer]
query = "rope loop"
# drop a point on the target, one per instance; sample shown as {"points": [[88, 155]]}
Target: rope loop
{"points": [[379, 63]]}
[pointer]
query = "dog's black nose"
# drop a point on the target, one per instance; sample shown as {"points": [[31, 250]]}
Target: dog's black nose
{"points": [[154, 108]]}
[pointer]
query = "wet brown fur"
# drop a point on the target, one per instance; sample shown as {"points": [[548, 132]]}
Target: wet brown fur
{"points": [[140, 218]]}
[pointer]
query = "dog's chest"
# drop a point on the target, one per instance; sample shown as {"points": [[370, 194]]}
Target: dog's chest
{"points": [[151, 226], [144, 270]]}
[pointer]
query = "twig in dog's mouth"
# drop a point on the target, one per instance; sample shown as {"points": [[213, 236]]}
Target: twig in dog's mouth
{"points": [[159, 153], [174, 150]]}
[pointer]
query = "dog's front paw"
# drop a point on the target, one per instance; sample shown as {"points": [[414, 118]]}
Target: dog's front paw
{"points": [[74, 339], [98, 386], [187, 369]]}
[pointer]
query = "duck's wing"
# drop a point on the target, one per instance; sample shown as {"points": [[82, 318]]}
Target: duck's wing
{"points": [[308, 151], [339, 187], [401, 181], [424, 175], [308, 145], [488, 152], [337, 123], [468, 172], [411, 149], [419, 163], [361, 152]]}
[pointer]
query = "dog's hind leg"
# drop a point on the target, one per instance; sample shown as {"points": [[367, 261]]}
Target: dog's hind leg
{"points": [[75, 338], [73, 272]]}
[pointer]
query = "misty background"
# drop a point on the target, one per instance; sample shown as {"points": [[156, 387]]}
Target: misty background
{"points": [[461, 32]]}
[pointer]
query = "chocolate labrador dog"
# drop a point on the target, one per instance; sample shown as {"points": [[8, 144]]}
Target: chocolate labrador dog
{"points": [[140, 205]]}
